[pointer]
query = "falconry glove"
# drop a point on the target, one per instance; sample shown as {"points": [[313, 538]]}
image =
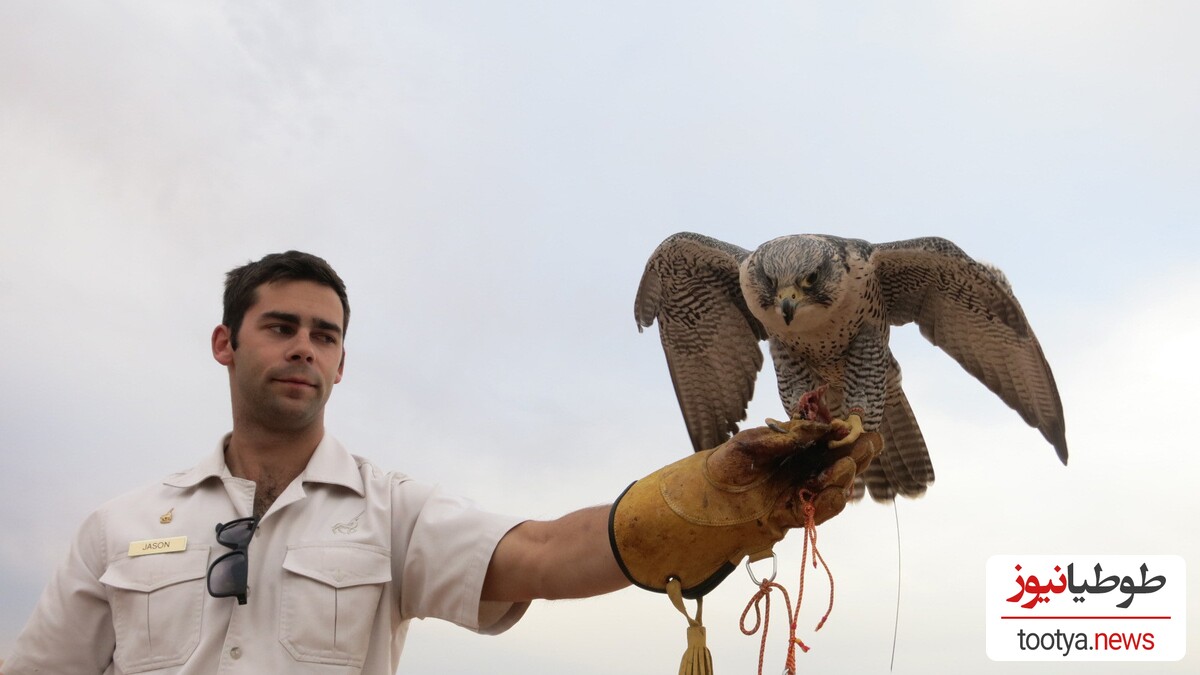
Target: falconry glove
{"points": [[696, 519]]}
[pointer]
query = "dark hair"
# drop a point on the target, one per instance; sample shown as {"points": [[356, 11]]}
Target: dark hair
{"points": [[241, 284]]}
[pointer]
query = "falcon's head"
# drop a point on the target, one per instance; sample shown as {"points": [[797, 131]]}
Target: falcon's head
{"points": [[788, 275]]}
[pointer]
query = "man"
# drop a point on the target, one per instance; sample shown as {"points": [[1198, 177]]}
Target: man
{"points": [[282, 552]]}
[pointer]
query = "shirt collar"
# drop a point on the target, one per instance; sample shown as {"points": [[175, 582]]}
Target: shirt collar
{"points": [[330, 463]]}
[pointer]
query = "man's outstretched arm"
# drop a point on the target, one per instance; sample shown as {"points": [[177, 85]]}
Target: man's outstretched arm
{"points": [[693, 520], [556, 559]]}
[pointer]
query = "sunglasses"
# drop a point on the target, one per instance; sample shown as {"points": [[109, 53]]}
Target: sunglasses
{"points": [[227, 574]]}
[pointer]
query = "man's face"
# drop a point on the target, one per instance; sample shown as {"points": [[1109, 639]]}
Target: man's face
{"points": [[289, 355]]}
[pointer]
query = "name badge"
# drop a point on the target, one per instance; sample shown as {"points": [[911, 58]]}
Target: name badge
{"points": [[152, 546]]}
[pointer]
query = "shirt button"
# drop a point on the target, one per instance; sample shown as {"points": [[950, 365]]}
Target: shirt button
{"points": [[235, 653]]}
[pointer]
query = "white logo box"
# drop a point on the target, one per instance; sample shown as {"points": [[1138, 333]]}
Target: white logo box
{"points": [[1086, 607]]}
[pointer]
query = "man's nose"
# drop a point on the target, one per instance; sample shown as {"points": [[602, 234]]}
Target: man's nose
{"points": [[301, 348]]}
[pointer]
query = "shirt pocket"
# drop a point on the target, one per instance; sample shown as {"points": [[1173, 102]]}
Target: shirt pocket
{"points": [[157, 602], [330, 597]]}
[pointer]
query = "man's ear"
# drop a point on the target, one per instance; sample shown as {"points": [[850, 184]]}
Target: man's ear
{"points": [[341, 365], [222, 347]]}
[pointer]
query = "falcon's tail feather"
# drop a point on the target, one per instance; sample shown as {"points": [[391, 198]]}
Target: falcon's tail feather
{"points": [[904, 467]]}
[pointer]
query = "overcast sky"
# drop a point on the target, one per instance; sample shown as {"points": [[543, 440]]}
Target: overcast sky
{"points": [[490, 178]]}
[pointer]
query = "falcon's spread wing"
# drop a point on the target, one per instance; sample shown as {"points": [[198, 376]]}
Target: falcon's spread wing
{"points": [[968, 310], [691, 288]]}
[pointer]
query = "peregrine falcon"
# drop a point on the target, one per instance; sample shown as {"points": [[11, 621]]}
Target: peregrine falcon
{"points": [[826, 306]]}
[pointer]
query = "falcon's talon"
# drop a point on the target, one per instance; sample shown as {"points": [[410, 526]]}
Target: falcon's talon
{"points": [[776, 426], [854, 428]]}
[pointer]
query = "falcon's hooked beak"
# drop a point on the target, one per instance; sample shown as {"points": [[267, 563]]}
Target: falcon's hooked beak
{"points": [[787, 299]]}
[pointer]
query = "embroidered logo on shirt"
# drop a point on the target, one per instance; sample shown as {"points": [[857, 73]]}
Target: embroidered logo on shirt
{"points": [[348, 526], [167, 517]]}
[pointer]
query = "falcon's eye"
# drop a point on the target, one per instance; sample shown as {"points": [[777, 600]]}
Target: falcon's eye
{"points": [[809, 280]]}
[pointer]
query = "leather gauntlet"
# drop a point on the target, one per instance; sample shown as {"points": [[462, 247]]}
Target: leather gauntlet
{"points": [[696, 519]]}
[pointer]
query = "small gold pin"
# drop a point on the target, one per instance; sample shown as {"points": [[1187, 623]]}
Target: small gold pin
{"points": [[167, 517]]}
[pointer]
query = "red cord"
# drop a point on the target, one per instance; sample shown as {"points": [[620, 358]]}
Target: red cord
{"points": [[810, 535], [762, 617]]}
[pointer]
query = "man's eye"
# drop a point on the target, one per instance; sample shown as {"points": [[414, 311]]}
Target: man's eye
{"points": [[327, 339], [280, 328]]}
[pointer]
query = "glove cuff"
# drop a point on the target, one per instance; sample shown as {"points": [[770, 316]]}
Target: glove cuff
{"points": [[679, 522]]}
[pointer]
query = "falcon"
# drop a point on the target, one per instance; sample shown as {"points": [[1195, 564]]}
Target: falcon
{"points": [[826, 305]]}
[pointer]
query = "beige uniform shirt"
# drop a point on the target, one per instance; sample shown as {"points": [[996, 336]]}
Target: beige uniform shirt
{"points": [[341, 562]]}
